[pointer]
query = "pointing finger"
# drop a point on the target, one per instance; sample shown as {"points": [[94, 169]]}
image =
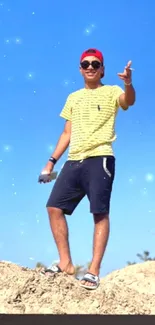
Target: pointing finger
{"points": [[121, 74], [129, 64]]}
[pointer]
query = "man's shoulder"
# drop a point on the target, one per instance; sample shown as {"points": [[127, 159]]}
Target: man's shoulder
{"points": [[113, 90], [111, 87], [76, 93], [106, 88]]}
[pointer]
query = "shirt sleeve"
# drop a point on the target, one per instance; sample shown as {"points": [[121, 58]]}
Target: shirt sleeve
{"points": [[117, 91], [66, 112]]}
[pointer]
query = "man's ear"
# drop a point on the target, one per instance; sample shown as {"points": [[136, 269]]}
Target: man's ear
{"points": [[103, 73], [80, 69]]}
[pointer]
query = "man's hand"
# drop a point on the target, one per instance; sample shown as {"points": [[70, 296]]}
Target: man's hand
{"points": [[48, 169], [128, 97], [62, 145], [126, 76]]}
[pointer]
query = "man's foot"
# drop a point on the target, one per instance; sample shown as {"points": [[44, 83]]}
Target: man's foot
{"points": [[69, 269], [91, 278], [90, 281]]}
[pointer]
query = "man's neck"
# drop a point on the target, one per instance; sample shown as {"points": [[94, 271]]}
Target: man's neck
{"points": [[90, 85]]}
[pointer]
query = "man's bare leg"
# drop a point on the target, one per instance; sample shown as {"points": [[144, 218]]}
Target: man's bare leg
{"points": [[101, 235], [60, 233]]}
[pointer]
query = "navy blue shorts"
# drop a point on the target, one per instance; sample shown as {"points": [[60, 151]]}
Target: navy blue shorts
{"points": [[92, 177]]}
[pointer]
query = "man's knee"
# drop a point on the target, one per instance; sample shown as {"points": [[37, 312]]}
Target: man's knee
{"points": [[52, 211], [101, 216]]}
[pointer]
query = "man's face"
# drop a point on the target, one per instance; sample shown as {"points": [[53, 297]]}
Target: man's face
{"points": [[91, 69]]}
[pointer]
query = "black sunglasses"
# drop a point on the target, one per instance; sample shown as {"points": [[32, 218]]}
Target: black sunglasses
{"points": [[95, 64]]}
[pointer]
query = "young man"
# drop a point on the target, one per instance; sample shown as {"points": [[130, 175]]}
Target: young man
{"points": [[89, 130]]}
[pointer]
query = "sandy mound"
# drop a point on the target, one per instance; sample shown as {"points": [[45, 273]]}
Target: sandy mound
{"points": [[128, 291]]}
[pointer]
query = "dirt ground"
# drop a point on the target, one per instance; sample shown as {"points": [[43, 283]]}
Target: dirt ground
{"points": [[127, 291]]}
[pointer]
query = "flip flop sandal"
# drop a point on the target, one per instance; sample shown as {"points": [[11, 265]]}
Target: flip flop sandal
{"points": [[89, 277], [51, 270]]}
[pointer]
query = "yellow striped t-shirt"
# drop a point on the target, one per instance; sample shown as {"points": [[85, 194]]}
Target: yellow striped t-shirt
{"points": [[92, 113]]}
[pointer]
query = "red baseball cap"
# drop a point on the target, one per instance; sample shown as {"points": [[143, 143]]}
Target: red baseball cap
{"points": [[92, 52]]}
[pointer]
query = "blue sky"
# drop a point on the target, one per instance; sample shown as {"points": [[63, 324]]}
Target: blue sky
{"points": [[40, 45]]}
